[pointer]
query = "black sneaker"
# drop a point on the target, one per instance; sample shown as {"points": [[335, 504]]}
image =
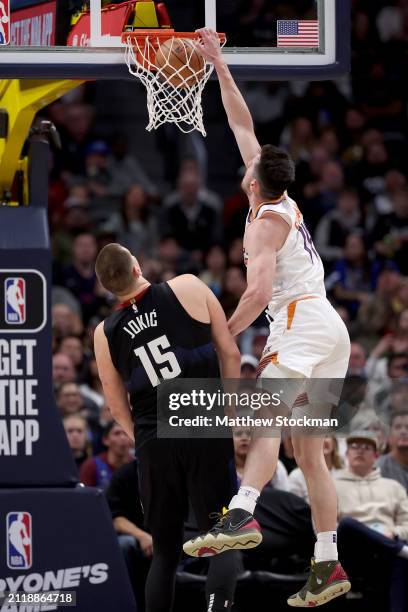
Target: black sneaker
{"points": [[235, 529], [327, 580]]}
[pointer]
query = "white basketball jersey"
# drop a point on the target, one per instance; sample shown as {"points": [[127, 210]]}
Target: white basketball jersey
{"points": [[299, 269]]}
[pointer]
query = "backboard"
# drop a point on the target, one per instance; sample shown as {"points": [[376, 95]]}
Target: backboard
{"points": [[266, 39]]}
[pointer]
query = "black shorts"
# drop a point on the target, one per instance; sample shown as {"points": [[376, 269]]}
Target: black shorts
{"points": [[172, 472]]}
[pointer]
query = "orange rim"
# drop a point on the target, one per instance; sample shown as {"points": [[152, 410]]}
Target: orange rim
{"points": [[160, 35], [138, 38]]}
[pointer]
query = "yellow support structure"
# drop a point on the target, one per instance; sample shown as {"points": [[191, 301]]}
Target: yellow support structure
{"points": [[22, 99], [145, 15]]}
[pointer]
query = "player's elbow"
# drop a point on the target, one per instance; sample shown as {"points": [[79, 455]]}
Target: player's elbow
{"points": [[115, 410], [260, 296], [231, 353]]}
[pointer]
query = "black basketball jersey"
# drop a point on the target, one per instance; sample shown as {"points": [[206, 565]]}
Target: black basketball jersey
{"points": [[153, 338]]}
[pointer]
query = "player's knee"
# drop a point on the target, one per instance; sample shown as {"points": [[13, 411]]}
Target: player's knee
{"points": [[307, 461]]}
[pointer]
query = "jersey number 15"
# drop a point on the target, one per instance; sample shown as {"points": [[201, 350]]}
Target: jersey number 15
{"points": [[152, 355]]}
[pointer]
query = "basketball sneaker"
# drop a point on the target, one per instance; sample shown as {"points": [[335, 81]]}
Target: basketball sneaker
{"points": [[326, 581], [235, 529]]}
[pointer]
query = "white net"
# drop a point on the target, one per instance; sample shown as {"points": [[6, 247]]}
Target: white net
{"points": [[173, 92]]}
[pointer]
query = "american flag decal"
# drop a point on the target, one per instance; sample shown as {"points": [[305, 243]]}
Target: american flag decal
{"points": [[295, 33]]}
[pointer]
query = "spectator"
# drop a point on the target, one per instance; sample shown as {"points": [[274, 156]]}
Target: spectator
{"points": [[376, 427], [80, 277], [298, 139], [235, 252], [193, 223], [65, 322], [135, 543], [383, 375], [97, 471], [395, 463], [394, 342], [69, 399], [309, 172], [72, 346], [399, 396], [322, 195], [235, 209], [358, 359], [98, 177], [215, 264], [324, 104], [92, 387], [329, 139], [381, 99], [390, 234], [75, 220], [335, 226], [353, 273], [234, 287], [368, 174], [63, 370], [76, 136], [376, 314], [125, 170], [376, 526], [171, 259], [383, 202], [135, 225], [354, 126], [76, 429], [297, 482], [242, 440]]}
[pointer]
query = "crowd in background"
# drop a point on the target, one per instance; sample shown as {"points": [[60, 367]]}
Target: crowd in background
{"points": [[348, 139]]}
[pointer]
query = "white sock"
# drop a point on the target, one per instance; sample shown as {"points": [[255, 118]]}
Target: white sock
{"points": [[326, 546], [403, 552], [245, 499]]}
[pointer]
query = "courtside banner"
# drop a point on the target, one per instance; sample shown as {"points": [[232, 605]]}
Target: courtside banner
{"points": [[59, 548], [211, 408], [33, 445], [4, 22]]}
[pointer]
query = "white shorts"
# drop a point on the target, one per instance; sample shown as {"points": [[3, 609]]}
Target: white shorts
{"points": [[308, 340]]}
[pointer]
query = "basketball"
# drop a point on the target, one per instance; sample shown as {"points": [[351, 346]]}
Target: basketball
{"points": [[179, 62]]}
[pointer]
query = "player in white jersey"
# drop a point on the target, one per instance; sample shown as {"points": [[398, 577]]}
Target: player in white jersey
{"points": [[308, 341]]}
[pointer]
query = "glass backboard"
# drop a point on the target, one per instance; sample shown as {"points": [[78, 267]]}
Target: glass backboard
{"points": [[266, 39]]}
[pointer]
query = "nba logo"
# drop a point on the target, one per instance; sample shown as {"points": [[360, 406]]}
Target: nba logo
{"points": [[19, 540], [4, 22], [15, 299]]}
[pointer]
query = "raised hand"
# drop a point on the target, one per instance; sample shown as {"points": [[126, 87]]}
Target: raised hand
{"points": [[208, 44]]}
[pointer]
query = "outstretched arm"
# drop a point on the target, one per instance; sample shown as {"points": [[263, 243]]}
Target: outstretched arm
{"points": [[239, 117]]}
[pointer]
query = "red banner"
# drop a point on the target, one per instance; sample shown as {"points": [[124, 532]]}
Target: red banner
{"points": [[34, 26], [4, 22]]}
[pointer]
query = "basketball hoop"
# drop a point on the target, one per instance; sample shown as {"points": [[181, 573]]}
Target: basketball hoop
{"points": [[174, 75]]}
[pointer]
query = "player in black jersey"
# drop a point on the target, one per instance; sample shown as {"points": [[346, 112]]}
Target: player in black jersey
{"points": [[173, 329]]}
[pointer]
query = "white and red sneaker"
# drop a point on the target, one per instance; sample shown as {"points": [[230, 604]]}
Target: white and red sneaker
{"points": [[235, 529]]}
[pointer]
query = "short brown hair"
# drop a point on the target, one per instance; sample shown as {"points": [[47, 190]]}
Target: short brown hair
{"points": [[275, 171], [113, 267]]}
